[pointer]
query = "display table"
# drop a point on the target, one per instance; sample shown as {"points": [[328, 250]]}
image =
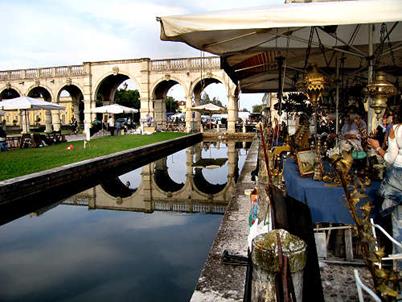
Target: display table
{"points": [[326, 202]]}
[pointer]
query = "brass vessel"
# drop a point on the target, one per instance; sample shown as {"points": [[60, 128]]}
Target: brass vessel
{"points": [[379, 91]]}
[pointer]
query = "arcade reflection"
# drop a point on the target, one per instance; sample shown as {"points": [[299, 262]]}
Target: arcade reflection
{"points": [[147, 229], [199, 179]]}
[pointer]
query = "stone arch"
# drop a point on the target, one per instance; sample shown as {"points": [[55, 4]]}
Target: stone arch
{"points": [[202, 184], [115, 188], [35, 91], [159, 92], [76, 107], [197, 85], [162, 178], [119, 77], [9, 92], [41, 91]]}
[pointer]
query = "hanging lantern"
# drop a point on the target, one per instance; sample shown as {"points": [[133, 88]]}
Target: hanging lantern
{"points": [[379, 91], [313, 84]]}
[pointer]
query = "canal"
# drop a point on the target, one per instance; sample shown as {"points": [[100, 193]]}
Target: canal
{"points": [[140, 236]]}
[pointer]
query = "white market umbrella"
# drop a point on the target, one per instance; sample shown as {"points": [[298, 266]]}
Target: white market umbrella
{"points": [[114, 109], [28, 103], [208, 108], [212, 108], [25, 103]]}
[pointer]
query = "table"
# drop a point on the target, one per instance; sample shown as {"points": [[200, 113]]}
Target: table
{"points": [[326, 203]]}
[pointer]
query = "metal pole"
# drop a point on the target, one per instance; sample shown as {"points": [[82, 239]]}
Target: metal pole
{"points": [[337, 100], [370, 112]]}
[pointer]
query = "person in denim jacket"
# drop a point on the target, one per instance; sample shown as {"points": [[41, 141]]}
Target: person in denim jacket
{"points": [[391, 187]]}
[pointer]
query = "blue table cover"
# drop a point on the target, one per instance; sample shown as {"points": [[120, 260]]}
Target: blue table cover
{"points": [[326, 203]]}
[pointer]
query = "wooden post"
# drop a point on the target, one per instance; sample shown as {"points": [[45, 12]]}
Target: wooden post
{"points": [[348, 244], [266, 264]]}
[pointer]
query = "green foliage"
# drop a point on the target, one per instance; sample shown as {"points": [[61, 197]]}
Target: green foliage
{"points": [[205, 99], [171, 104], [257, 108], [25, 161], [295, 102], [129, 98]]}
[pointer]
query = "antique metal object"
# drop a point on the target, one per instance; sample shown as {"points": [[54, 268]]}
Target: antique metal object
{"points": [[313, 84], [379, 91], [318, 168]]}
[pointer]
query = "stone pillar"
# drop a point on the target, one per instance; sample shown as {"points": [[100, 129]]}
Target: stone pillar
{"points": [[88, 117], [56, 120], [190, 152], [147, 107], [197, 115], [159, 112], [48, 121], [265, 260], [232, 113], [189, 116], [24, 121], [76, 109], [232, 166], [146, 176]]}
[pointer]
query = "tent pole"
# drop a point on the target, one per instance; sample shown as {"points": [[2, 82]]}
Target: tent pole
{"points": [[337, 100], [370, 112]]}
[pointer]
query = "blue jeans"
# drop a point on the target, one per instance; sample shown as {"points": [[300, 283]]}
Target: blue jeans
{"points": [[396, 217], [391, 190], [3, 146]]}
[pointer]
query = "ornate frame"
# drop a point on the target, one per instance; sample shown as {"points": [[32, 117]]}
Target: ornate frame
{"points": [[305, 162]]}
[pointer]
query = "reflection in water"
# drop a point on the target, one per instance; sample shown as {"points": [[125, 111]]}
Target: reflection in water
{"points": [[69, 253]]}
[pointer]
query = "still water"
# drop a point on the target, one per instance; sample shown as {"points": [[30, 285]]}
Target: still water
{"points": [[142, 236]]}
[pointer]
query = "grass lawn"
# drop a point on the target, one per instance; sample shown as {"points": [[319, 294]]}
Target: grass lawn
{"points": [[25, 161]]}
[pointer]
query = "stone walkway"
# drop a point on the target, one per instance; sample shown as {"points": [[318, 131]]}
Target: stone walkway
{"points": [[338, 282], [220, 282]]}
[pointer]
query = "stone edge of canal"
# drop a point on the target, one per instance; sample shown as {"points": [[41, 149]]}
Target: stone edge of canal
{"points": [[220, 282]]}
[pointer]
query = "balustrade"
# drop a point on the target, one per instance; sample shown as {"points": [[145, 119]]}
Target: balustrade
{"points": [[48, 72], [186, 64], [79, 70]]}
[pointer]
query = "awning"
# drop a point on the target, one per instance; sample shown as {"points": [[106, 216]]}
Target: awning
{"points": [[250, 41]]}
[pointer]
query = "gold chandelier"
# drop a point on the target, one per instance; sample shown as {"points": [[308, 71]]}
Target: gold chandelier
{"points": [[379, 91], [313, 84]]}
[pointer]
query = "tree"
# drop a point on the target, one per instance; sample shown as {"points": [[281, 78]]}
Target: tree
{"points": [[257, 108], [171, 104], [205, 99], [129, 98]]}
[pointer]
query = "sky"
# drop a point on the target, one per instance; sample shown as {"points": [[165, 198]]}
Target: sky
{"points": [[46, 33]]}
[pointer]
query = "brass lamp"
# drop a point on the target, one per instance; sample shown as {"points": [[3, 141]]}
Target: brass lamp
{"points": [[379, 91], [314, 84]]}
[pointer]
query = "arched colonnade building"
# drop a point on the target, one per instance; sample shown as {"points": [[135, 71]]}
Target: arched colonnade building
{"points": [[93, 80]]}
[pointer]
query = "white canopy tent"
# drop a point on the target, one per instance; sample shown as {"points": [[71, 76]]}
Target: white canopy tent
{"points": [[249, 40], [114, 109], [25, 103], [267, 49]]}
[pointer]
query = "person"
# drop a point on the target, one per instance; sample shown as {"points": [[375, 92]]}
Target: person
{"points": [[388, 127], [149, 120], [118, 126], [74, 125], [353, 131], [391, 187], [3, 140], [110, 123]]}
